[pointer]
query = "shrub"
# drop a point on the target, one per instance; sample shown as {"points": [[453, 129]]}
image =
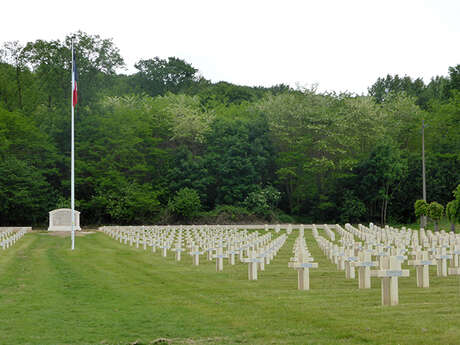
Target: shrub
{"points": [[185, 204], [435, 212], [285, 218], [453, 213], [262, 201], [420, 208], [352, 209]]}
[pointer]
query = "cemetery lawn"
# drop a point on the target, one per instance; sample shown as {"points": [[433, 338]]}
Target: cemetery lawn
{"points": [[105, 292]]}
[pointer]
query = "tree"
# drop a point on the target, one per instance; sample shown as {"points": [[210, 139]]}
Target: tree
{"points": [[453, 208], [453, 213], [435, 212], [262, 201], [237, 157], [227, 93], [421, 209], [456, 192], [185, 204], [50, 60], [190, 122], [13, 53], [158, 76], [25, 193], [402, 120], [352, 208], [385, 87], [379, 175], [454, 75]]}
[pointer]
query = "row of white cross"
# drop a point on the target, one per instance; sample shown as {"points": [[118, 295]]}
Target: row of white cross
{"points": [[427, 248], [9, 236], [389, 246], [302, 261], [217, 242]]}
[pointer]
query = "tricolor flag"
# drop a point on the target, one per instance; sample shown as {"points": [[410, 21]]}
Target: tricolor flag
{"points": [[74, 79]]}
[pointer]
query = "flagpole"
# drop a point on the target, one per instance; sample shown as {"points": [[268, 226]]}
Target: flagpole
{"points": [[72, 159]]}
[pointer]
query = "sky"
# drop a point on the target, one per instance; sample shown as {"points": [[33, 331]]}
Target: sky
{"points": [[337, 45]]}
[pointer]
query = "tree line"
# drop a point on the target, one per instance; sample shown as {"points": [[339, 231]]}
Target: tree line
{"points": [[165, 144]]}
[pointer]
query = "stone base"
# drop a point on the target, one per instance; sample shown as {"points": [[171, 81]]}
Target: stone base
{"points": [[61, 220], [62, 228]]}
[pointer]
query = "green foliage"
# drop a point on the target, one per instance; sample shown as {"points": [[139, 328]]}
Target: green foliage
{"points": [[456, 192], [421, 208], [435, 212], [133, 204], [225, 214], [238, 158], [285, 218], [453, 208], [379, 176], [190, 123], [453, 211], [262, 201], [352, 208], [26, 200], [384, 87], [454, 78], [331, 156], [185, 204], [157, 76]]}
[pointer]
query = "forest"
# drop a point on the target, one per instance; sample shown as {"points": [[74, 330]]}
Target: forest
{"points": [[166, 145]]}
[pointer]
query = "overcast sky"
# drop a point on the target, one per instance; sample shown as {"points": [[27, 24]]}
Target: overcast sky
{"points": [[338, 44]]}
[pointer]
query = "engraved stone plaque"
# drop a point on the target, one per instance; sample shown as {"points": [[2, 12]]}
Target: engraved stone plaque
{"points": [[61, 220]]}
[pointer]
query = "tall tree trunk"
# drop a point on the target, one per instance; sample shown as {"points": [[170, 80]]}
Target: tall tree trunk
{"points": [[18, 81], [381, 213], [290, 197], [387, 187], [452, 226], [435, 225]]}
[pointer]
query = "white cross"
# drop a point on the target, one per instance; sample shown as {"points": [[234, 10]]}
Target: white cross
{"points": [[389, 275]]}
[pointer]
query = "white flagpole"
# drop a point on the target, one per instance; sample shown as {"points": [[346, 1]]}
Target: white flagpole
{"points": [[72, 161]]}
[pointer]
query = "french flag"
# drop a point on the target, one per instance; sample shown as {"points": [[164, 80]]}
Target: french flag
{"points": [[74, 80]]}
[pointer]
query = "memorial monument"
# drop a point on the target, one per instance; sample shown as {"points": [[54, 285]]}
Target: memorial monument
{"points": [[61, 220]]}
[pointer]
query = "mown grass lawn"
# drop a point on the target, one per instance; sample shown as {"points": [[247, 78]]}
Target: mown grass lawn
{"points": [[108, 293]]}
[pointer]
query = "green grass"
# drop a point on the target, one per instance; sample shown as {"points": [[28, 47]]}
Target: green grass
{"points": [[108, 293]]}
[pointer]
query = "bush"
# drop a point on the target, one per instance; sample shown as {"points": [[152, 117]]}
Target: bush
{"points": [[453, 213], [285, 218], [456, 192], [435, 212], [186, 204], [420, 207], [421, 210], [133, 204], [352, 209], [229, 214], [262, 201]]}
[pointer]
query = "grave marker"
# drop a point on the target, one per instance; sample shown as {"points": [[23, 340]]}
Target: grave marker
{"points": [[389, 276]]}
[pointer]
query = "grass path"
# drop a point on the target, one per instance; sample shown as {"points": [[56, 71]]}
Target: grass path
{"points": [[108, 293]]}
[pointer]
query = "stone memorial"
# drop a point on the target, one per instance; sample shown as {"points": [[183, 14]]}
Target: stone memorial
{"points": [[61, 220], [389, 273], [421, 264], [196, 255], [253, 261], [364, 265]]}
